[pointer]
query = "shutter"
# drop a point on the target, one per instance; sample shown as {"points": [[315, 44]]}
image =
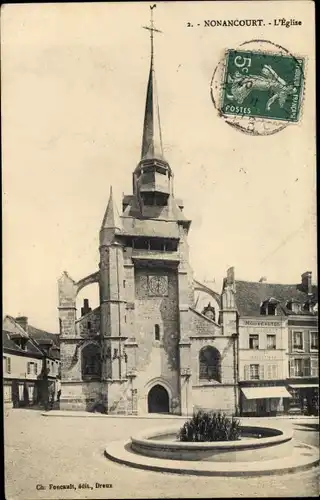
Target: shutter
{"points": [[291, 368], [274, 372], [9, 365], [314, 367], [261, 372], [28, 368], [306, 367], [246, 372], [269, 371]]}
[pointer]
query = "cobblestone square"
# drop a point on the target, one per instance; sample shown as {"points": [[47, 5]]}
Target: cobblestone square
{"points": [[40, 451]]}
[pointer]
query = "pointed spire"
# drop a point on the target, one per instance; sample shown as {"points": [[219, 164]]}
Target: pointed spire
{"points": [[151, 139], [111, 218]]}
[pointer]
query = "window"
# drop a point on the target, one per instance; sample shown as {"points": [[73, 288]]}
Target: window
{"points": [[271, 342], [157, 332], [300, 367], [7, 364], [210, 364], [293, 306], [272, 372], [295, 401], [32, 368], [253, 341], [124, 283], [254, 372], [91, 361], [297, 341], [89, 325], [314, 341], [269, 307]]}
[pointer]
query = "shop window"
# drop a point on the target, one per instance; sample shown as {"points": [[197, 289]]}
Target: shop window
{"points": [[271, 341], [253, 341], [314, 341], [90, 361], [297, 341], [295, 401], [156, 332], [210, 364]]}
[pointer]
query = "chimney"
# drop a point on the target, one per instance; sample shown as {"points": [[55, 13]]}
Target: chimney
{"points": [[85, 309], [23, 322], [230, 276], [306, 282]]}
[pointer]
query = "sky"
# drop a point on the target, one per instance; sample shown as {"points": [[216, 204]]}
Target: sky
{"points": [[74, 81]]}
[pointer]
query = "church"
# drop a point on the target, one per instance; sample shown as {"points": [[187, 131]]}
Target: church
{"points": [[147, 348]]}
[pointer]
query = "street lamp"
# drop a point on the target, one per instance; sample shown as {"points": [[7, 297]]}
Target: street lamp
{"points": [[186, 373]]}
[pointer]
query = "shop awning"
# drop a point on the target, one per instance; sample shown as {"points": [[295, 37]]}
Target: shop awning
{"points": [[265, 392], [302, 386]]}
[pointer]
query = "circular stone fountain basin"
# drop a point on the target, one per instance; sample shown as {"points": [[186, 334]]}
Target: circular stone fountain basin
{"points": [[256, 444]]}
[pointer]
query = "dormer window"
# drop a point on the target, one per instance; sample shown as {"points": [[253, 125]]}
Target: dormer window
{"points": [[269, 307], [310, 306], [294, 306]]}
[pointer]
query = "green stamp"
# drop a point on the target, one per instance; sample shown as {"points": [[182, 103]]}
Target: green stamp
{"points": [[262, 84]]}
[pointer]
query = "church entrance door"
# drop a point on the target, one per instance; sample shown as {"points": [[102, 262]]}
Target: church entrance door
{"points": [[158, 400]]}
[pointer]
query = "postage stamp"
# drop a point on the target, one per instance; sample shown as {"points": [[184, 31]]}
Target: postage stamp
{"points": [[264, 85], [258, 87]]}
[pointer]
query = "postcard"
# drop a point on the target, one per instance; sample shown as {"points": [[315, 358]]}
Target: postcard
{"points": [[160, 328]]}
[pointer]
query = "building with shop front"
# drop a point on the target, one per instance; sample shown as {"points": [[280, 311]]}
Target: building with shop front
{"points": [[303, 350], [277, 325], [30, 368], [146, 348]]}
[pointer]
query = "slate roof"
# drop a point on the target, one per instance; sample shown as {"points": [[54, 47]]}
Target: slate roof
{"points": [[43, 336], [150, 228], [30, 347], [13, 327], [250, 294], [37, 338]]}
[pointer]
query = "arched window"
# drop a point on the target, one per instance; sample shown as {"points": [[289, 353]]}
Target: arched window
{"points": [[210, 364], [156, 332], [91, 363]]}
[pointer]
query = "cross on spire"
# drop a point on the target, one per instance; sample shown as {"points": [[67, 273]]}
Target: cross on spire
{"points": [[151, 28], [151, 139]]}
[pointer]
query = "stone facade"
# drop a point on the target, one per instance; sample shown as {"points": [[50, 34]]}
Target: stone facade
{"points": [[146, 348]]}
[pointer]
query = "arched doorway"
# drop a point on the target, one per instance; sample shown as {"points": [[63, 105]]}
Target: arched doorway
{"points": [[158, 400]]}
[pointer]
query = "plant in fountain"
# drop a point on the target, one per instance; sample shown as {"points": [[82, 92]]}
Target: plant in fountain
{"points": [[210, 426]]}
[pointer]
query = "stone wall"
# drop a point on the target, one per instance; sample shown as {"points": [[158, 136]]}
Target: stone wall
{"points": [[156, 360]]}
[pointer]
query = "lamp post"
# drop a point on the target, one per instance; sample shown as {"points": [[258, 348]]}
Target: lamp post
{"points": [[186, 373]]}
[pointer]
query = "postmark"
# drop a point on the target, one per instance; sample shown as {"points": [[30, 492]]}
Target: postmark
{"points": [[258, 87]]}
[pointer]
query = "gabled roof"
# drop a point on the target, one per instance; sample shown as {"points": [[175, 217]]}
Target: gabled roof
{"points": [[249, 296], [41, 336], [36, 339], [30, 346], [10, 325]]}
